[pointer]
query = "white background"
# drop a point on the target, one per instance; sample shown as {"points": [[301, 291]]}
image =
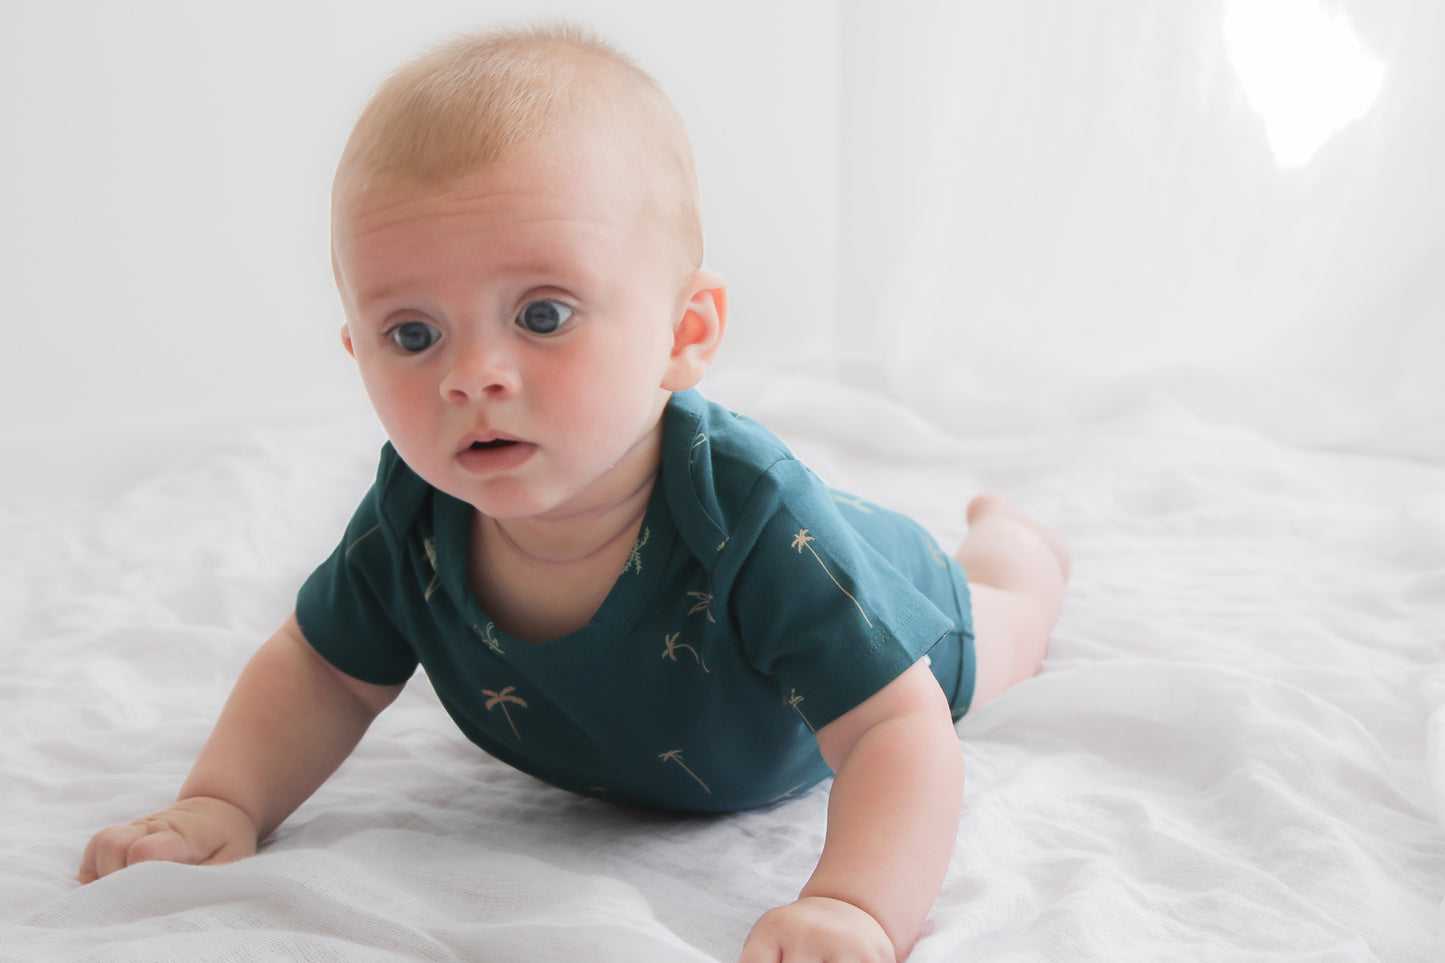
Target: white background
{"points": [[1123, 254], [970, 206]]}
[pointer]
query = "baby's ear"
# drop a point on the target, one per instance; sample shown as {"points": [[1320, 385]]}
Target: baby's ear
{"points": [[346, 340], [698, 332]]}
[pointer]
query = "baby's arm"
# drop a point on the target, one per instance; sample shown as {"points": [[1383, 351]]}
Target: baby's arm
{"points": [[290, 721], [892, 823]]}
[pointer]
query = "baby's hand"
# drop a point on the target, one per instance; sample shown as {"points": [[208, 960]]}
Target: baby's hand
{"points": [[196, 831], [817, 928]]}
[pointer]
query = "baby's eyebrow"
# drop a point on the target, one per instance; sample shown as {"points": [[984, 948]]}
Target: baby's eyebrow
{"points": [[366, 297], [572, 273], [578, 265], [534, 267]]}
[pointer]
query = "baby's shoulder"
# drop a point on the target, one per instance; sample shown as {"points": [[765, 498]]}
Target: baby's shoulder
{"points": [[703, 434], [397, 501], [721, 469]]}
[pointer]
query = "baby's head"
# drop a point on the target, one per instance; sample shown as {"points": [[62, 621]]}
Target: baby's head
{"points": [[491, 98], [516, 241]]}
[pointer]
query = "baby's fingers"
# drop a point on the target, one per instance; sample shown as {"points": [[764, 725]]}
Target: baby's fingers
{"points": [[106, 851], [138, 842], [196, 830]]}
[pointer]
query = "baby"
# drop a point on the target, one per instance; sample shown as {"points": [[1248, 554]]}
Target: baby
{"points": [[560, 517]]}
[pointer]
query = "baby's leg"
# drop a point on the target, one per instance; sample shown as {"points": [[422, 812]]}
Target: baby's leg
{"points": [[1017, 568]]}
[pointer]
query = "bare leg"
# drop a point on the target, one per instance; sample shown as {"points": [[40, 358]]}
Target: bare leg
{"points": [[1017, 568]]}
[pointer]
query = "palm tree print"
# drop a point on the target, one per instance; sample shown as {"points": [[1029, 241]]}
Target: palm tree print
{"points": [[362, 537], [675, 755], [702, 604], [853, 501], [429, 545], [792, 701], [936, 552], [489, 636], [634, 560], [502, 699], [788, 794], [674, 646], [803, 540]]}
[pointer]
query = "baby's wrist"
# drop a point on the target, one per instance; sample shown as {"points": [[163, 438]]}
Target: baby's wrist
{"points": [[901, 943], [839, 903], [203, 804]]}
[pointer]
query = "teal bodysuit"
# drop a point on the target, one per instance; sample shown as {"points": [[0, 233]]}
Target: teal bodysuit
{"points": [[757, 606]]}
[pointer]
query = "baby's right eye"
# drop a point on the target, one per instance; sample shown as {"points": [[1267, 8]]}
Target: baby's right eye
{"points": [[414, 337]]}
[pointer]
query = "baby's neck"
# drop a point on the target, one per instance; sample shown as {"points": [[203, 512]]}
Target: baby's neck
{"points": [[541, 580], [574, 540]]}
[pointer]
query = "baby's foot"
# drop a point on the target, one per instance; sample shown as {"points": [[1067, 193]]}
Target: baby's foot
{"points": [[989, 506]]}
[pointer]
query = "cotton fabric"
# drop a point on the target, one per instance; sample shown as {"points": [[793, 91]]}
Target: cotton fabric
{"points": [[1236, 749], [756, 606]]}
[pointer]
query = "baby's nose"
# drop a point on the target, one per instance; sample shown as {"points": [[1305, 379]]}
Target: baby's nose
{"points": [[480, 367]]}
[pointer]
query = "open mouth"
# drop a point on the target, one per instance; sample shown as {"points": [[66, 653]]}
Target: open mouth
{"points": [[489, 456]]}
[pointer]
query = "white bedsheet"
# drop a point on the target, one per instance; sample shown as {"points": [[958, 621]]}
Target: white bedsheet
{"points": [[1236, 750]]}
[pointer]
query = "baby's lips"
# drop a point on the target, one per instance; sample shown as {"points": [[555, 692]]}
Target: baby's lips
{"points": [[485, 440]]}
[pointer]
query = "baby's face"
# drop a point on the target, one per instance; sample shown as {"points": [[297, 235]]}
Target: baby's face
{"points": [[514, 329]]}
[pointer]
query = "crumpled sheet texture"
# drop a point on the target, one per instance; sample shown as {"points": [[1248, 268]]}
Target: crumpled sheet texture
{"points": [[1236, 750]]}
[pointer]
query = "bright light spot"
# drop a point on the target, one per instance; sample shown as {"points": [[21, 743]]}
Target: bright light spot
{"points": [[1303, 69]]}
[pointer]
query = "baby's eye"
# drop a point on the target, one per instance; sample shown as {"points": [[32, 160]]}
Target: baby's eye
{"points": [[544, 317], [414, 336]]}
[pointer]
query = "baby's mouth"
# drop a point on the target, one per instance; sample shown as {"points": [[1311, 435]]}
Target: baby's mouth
{"points": [[491, 456]]}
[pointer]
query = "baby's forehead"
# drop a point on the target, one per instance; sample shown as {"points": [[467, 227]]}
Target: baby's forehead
{"points": [[433, 125], [581, 155], [521, 210], [568, 162]]}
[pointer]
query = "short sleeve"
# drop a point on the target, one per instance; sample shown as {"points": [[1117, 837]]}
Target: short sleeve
{"points": [[820, 608], [344, 607]]}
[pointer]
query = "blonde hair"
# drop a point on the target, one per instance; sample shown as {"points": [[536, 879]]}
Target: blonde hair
{"points": [[470, 101]]}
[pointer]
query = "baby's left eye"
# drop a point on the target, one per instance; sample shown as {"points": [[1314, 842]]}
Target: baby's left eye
{"points": [[544, 317]]}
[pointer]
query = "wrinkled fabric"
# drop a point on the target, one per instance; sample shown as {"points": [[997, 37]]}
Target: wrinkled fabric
{"points": [[1236, 749]]}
